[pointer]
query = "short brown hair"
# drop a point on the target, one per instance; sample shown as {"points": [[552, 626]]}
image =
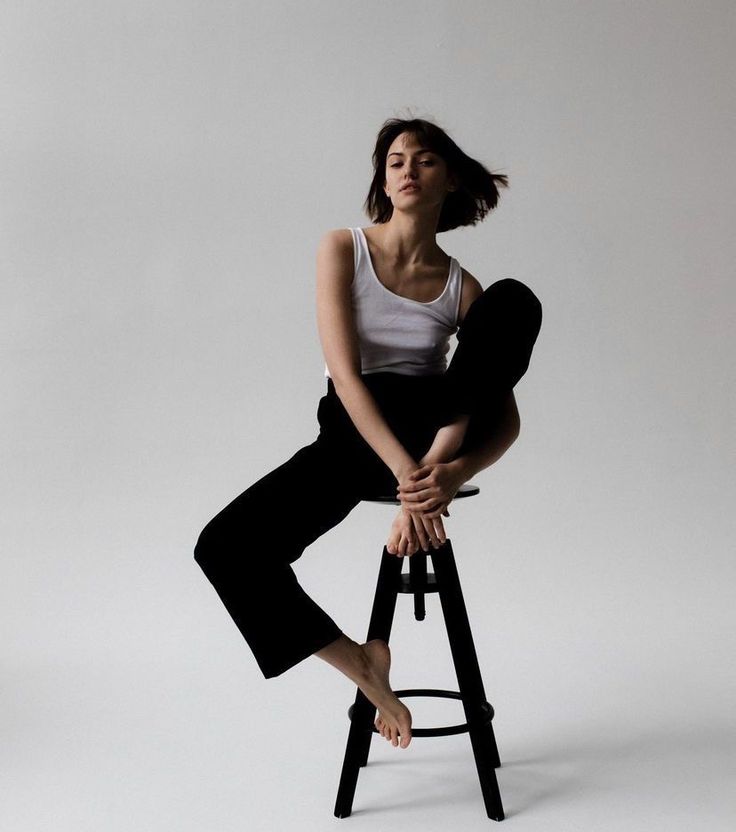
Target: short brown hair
{"points": [[477, 192]]}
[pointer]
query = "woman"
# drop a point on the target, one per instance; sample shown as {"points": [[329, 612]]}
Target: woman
{"points": [[394, 415]]}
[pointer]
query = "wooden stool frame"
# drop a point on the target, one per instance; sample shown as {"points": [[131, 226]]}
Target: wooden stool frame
{"points": [[478, 712]]}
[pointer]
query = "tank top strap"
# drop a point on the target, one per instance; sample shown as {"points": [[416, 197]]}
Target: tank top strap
{"points": [[362, 281], [454, 292]]}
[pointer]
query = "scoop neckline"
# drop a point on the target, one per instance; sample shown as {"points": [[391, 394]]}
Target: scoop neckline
{"points": [[396, 294]]}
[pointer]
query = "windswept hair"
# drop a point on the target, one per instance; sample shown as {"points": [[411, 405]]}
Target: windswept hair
{"points": [[477, 192]]}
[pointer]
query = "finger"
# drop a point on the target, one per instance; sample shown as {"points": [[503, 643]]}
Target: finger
{"points": [[420, 494], [429, 505], [421, 532], [416, 476], [422, 508], [415, 482], [428, 526], [419, 472], [404, 490], [423, 542], [426, 535], [440, 530]]}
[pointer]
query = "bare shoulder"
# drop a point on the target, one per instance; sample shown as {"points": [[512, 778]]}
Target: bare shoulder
{"points": [[471, 290], [336, 241], [335, 257]]}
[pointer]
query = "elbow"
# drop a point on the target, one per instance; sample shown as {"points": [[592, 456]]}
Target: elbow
{"points": [[345, 379]]}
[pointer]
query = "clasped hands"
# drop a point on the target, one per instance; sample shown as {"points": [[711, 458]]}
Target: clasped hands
{"points": [[425, 494]]}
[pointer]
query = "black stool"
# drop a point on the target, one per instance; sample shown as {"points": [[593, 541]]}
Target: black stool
{"points": [[478, 712]]}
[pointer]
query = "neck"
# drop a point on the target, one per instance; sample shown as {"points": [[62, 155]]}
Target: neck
{"points": [[409, 239]]}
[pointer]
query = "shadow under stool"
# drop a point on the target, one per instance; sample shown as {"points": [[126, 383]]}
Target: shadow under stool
{"points": [[478, 712]]}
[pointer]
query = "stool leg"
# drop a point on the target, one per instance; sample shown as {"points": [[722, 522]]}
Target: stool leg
{"points": [[418, 576], [364, 711], [482, 738]]}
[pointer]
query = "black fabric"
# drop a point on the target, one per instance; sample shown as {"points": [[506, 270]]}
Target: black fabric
{"points": [[247, 549], [494, 346]]}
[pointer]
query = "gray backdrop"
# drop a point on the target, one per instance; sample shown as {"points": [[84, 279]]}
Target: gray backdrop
{"points": [[167, 171]]}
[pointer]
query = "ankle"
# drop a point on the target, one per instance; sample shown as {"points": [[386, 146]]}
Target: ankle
{"points": [[362, 667], [347, 656]]}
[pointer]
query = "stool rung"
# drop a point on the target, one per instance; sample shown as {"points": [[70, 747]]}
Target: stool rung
{"points": [[445, 730]]}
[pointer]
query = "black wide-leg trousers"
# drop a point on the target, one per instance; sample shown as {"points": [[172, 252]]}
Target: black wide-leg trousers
{"points": [[246, 550]]}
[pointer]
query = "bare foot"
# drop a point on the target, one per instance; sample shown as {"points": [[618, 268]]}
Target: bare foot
{"points": [[367, 665], [394, 718]]}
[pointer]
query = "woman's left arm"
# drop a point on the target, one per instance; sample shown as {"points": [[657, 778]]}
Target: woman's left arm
{"points": [[454, 471], [447, 442], [502, 437]]}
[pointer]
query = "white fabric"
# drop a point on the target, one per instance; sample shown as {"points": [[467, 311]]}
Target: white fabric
{"points": [[397, 334]]}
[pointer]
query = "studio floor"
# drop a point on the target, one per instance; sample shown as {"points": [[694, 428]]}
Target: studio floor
{"points": [[160, 746]]}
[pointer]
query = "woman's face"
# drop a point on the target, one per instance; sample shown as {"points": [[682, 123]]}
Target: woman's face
{"points": [[407, 162]]}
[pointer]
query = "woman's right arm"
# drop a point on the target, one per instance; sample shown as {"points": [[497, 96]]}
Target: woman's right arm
{"points": [[342, 354]]}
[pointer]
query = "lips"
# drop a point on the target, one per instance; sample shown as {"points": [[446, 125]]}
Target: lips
{"points": [[411, 187]]}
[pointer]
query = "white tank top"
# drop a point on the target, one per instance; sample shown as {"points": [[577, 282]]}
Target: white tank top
{"points": [[398, 334]]}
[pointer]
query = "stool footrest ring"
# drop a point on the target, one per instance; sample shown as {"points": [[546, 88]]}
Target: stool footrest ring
{"points": [[487, 713]]}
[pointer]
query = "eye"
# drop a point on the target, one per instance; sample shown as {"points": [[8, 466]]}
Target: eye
{"points": [[428, 162]]}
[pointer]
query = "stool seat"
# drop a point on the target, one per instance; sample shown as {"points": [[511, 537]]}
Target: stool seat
{"points": [[465, 490]]}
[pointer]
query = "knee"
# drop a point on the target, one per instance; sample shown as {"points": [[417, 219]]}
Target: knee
{"points": [[513, 306], [514, 290], [516, 296]]}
